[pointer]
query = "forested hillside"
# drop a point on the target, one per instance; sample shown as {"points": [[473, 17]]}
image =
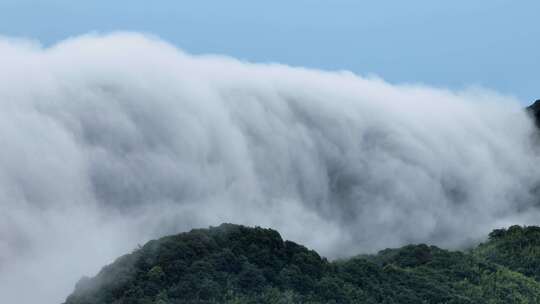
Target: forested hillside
{"points": [[517, 248], [237, 264]]}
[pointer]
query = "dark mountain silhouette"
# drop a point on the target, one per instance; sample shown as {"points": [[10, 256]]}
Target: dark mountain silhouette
{"points": [[534, 110], [237, 264]]}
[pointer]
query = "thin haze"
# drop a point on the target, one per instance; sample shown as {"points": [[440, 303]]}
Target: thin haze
{"points": [[108, 141]]}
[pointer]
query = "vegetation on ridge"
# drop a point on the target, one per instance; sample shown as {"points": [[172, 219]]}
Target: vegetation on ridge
{"points": [[237, 264]]}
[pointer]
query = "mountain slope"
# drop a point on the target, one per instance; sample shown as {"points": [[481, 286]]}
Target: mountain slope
{"points": [[517, 248], [237, 264], [534, 111]]}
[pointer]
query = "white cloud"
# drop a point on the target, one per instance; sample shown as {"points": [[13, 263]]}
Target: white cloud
{"points": [[108, 141]]}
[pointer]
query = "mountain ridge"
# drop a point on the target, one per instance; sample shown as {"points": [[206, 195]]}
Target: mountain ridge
{"points": [[534, 111], [237, 264]]}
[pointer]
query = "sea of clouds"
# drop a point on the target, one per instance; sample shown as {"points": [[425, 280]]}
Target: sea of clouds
{"points": [[108, 141]]}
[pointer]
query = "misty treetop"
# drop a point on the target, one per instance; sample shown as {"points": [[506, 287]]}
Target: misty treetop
{"points": [[237, 264], [517, 248]]}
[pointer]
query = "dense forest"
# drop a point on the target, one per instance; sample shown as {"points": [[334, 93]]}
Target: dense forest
{"points": [[237, 264]]}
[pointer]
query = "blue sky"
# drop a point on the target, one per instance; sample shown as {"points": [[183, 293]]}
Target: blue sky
{"points": [[455, 44]]}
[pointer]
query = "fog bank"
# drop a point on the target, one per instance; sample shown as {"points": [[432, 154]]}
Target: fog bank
{"points": [[107, 141]]}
